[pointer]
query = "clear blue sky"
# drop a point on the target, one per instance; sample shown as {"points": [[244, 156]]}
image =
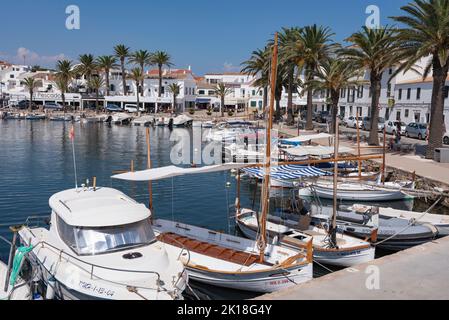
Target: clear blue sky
{"points": [[209, 35]]}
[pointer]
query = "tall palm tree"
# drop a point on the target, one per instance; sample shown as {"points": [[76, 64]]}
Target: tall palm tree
{"points": [[122, 52], [137, 75], [309, 51], [106, 63], [222, 91], [161, 59], [336, 74], [257, 66], [64, 76], [175, 89], [87, 66], [427, 34], [287, 38], [31, 84], [96, 84], [375, 50], [141, 58]]}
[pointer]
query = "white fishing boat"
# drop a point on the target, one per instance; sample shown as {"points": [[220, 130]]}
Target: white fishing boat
{"points": [[143, 121], [121, 118], [163, 121], [18, 291], [349, 251], [182, 121], [35, 117], [100, 245], [65, 118], [359, 190], [225, 260]]}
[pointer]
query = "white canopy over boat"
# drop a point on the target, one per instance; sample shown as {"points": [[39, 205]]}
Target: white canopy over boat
{"points": [[173, 171], [306, 138], [287, 172], [303, 151]]}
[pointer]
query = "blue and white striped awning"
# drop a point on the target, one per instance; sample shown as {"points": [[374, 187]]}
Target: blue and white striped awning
{"points": [[287, 172]]}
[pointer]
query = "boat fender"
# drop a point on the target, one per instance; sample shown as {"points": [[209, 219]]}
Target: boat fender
{"points": [[50, 293]]}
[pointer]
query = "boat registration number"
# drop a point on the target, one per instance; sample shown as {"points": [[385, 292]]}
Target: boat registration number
{"points": [[98, 290]]}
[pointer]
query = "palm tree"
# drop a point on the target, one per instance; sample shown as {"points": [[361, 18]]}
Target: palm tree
{"points": [[175, 89], [87, 66], [64, 75], [257, 66], [222, 91], [309, 51], [427, 34], [335, 74], [31, 84], [106, 63], [122, 52], [161, 58], [96, 83], [141, 58], [137, 76], [375, 50], [287, 38]]}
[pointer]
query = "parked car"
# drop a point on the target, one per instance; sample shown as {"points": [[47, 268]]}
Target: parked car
{"points": [[322, 116], [366, 124], [392, 127], [416, 130], [53, 106], [113, 108], [351, 122], [25, 104], [132, 108], [446, 138]]}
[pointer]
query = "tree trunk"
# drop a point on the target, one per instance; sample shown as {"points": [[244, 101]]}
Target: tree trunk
{"points": [[30, 106], [222, 107], [137, 95], [174, 110], [142, 67], [122, 60], [107, 82], [265, 99], [97, 105], [290, 117], [335, 97], [437, 108], [159, 93], [63, 102], [309, 123], [375, 89]]}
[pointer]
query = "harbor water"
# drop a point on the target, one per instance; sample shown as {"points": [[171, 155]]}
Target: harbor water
{"points": [[36, 161]]}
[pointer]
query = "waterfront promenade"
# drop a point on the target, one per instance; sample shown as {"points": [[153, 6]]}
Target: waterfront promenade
{"points": [[419, 273]]}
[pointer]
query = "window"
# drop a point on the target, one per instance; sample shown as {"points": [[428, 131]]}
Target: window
{"points": [[398, 115], [389, 90], [93, 241], [11, 76], [418, 94], [390, 71], [201, 92], [400, 94], [446, 92], [253, 104], [409, 93], [406, 113], [253, 92]]}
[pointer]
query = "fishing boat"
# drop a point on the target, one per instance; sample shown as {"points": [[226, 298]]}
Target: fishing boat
{"points": [[182, 121], [359, 190], [101, 245], [18, 291], [163, 121], [225, 260], [349, 251], [121, 118], [35, 117], [143, 121], [65, 118]]}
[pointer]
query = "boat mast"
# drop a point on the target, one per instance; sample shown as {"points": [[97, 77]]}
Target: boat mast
{"points": [[266, 186], [150, 185], [333, 229]]}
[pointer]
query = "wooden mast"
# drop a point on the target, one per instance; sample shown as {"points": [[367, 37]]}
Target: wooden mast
{"points": [[333, 231], [150, 185], [358, 144], [266, 185], [383, 155]]}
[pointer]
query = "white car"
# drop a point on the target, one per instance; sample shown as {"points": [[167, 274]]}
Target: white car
{"points": [[446, 138], [392, 126], [132, 108], [351, 122]]}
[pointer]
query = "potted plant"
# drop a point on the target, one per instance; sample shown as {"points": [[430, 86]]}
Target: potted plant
{"points": [[209, 111], [230, 113], [191, 111]]}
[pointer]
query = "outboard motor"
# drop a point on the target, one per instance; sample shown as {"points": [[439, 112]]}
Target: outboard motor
{"points": [[170, 124]]}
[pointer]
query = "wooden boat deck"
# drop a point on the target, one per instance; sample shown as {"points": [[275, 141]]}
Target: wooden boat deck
{"points": [[211, 250]]}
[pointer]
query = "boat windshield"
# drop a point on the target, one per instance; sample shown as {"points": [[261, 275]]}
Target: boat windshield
{"points": [[94, 241]]}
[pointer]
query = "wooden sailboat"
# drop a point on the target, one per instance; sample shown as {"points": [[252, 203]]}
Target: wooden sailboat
{"points": [[329, 246], [225, 260]]}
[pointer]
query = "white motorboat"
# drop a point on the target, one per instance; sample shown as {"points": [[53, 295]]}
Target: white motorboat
{"points": [[163, 121], [19, 291], [359, 190], [100, 245], [143, 121], [225, 260], [35, 117], [121, 118], [348, 252], [182, 120], [65, 118], [228, 134]]}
